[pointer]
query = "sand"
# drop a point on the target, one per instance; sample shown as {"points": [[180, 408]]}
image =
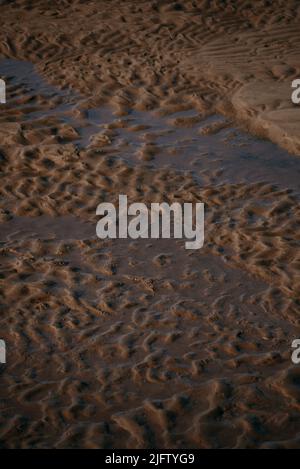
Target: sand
{"points": [[141, 343]]}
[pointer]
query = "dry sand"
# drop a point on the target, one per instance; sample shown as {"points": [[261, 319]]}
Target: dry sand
{"points": [[132, 344]]}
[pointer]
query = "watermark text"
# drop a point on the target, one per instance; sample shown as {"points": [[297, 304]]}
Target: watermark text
{"points": [[160, 221]]}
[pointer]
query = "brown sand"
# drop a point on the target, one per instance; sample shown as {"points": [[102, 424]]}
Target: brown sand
{"points": [[125, 343]]}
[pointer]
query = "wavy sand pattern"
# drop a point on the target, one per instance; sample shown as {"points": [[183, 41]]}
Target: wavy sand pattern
{"points": [[133, 344]]}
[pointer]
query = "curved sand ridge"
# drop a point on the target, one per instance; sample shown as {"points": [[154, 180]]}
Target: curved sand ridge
{"points": [[141, 343]]}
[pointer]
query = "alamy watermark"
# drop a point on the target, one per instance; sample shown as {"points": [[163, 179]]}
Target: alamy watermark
{"points": [[296, 352], [296, 93], [2, 92], [2, 351], [160, 221]]}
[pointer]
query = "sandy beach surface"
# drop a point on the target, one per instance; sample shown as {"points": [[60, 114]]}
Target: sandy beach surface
{"points": [[124, 343]]}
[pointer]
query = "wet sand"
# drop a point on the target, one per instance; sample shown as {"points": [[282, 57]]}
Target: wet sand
{"points": [[143, 344]]}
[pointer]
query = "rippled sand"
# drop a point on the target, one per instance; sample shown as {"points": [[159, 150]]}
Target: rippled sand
{"points": [[140, 344]]}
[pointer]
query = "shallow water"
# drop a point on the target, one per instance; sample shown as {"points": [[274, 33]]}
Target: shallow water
{"points": [[45, 227], [231, 155], [227, 155]]}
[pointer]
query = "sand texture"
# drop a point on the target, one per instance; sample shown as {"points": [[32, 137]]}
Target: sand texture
{"points": [[142, 343]]}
